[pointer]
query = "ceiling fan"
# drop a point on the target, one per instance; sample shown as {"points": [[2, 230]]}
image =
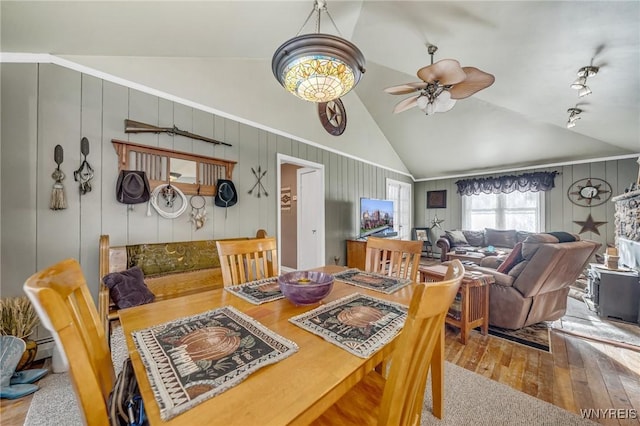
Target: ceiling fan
{"points": [[443, 83]]}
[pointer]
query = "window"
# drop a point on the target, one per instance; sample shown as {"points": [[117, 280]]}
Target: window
{"points": [[523, 211]]}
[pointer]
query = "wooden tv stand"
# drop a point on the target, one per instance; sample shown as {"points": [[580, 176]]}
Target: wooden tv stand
{"points": [[356, 253]]}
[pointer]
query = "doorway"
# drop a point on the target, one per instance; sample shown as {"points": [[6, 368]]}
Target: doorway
{"points": [[301, 231]]}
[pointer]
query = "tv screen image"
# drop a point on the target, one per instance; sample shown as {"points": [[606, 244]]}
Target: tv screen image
{"points": [[376, 216]]}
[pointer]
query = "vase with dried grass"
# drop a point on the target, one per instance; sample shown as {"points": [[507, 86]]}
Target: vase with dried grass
{"points": [[19, 318]]}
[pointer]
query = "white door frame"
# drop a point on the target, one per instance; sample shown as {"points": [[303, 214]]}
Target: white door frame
{"points": [[286, 159]]}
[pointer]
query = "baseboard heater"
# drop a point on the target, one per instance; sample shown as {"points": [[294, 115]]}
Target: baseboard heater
{"points": [[45, 348]]}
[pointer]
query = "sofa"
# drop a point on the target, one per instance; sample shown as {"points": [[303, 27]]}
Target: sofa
{"points": [[502, 240], [532, 283]]}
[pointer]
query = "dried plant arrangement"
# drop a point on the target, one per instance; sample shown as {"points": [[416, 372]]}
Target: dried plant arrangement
{"points": [[18, 317]]}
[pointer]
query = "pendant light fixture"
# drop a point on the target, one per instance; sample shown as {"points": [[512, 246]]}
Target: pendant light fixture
{"points": [[318, 67]]}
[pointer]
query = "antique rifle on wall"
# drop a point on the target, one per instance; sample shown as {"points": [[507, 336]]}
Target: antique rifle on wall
{"points": [[131, 126]]}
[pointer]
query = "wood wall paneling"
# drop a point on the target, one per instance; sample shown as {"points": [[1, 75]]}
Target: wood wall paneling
{"points": [[18, 155], [57, 232], [91, 202], [44, 105]]}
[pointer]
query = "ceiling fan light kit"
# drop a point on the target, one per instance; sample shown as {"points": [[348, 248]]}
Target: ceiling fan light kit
{"points": [[443, 83], [318, 67]]}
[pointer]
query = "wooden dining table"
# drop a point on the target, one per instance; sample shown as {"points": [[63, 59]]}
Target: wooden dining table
{"points": [[295, 390]]}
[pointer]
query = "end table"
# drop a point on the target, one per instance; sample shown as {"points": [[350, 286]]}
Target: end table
{"points": [[473, 298]]}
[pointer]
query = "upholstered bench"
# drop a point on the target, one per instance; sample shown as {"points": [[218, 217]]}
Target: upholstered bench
{"points": [[170, 270]]}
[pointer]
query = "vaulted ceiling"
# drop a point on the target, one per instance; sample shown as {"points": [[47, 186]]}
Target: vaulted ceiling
{"points": [[218, 54]]}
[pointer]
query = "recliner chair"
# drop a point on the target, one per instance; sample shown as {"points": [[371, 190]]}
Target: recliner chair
{"points": [[536, 288]]}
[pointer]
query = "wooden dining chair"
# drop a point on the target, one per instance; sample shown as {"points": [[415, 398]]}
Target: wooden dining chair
{"points": [[397, 258], [66, 308], [398, 400], [248, 260]]}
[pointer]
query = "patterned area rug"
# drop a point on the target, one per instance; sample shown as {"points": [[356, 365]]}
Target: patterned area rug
{"points": [[357, 323], [377, 282], [258, 292], [195, 358], [536, 336]]}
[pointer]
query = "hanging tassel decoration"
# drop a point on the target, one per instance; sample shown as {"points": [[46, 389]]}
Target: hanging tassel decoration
{"points": [[58, 200]]}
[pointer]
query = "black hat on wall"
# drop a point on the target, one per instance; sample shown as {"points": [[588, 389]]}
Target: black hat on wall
{"points": [[226, 195], [132, 187]]}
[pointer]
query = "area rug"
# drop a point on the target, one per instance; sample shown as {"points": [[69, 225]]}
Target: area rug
{"points": [[358, 323], [580, 320], [195, 358], [258, 292], [372, 281], [536, 336], [470, 399]]}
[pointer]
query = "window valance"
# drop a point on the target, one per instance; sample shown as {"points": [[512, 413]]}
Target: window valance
{"points": [[534, 182]]}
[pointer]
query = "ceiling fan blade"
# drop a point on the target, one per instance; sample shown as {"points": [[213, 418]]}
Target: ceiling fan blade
{"points": [[406, 104], [445, 71], [404, 89], [476, 80]]}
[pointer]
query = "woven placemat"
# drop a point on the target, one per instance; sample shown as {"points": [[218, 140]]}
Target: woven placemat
{"points": [[192, 359], [372, 281], [259, 291], [358, 323]]}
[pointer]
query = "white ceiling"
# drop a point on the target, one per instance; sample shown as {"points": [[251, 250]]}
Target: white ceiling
{"points": [[534, 49]]}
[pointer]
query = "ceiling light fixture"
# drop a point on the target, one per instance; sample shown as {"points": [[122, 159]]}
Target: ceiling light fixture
{"points": [[318, 67], [442, 84], [574, 115], [581, 83]]}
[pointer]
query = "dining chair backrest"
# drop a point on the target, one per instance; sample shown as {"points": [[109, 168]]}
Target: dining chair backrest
{"points": [[397, 258], [248, 260], [423, 332], [66, 308]]}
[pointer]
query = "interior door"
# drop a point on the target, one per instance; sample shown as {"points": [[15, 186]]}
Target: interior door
{"points": [[310, 218], [400, 193]]}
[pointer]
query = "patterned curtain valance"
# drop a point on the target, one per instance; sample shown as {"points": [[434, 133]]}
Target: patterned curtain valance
{"points": [[534, 182]]}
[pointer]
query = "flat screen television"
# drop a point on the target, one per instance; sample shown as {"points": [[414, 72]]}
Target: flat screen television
{"points": [[376, 216]]}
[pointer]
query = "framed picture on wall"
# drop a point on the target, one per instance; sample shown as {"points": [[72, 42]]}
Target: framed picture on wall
{"points": [[437, 199]]}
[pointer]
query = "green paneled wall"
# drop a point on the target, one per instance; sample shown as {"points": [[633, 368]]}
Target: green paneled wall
{"points": [[44, 105]]}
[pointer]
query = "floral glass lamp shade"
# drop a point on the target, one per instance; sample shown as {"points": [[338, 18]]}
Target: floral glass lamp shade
{"points": [[318, 67]]}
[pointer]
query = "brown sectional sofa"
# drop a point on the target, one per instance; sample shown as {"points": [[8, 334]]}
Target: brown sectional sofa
{"points": [[502, 240], [536, 288]]}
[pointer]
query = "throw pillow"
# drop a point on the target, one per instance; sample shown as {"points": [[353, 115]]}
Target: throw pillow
{"points": [[475, 238], [456, 238], [512, 260], [127, 288], [500, 237]]}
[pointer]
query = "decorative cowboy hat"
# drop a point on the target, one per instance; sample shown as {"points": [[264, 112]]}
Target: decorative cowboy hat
{"points": [[226, 195], [132, 187]]}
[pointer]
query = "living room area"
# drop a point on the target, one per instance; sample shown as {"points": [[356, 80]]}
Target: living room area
{"points": [[209, 77]]}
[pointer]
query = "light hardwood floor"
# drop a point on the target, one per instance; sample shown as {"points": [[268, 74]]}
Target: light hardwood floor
{"points": [[578, 374]]}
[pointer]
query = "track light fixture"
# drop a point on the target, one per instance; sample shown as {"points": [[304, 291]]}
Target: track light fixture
{"points": [[581, 83], [574, 115]]}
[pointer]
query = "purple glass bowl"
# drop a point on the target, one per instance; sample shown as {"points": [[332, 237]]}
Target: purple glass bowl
{"points": [[305, 287]]}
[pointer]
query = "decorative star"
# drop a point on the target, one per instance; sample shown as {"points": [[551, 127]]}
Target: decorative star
{"points": [[589, 225], [334, 115], [436, 222]]}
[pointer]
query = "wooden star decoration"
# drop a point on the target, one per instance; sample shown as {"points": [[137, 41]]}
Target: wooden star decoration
{"points": [[589, 225]]}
